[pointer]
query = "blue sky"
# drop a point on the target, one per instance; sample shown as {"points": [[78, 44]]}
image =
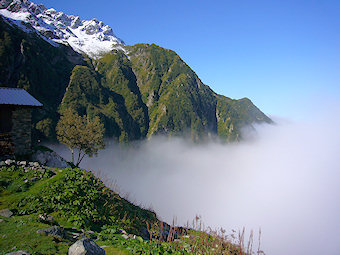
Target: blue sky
{"points": [[283, 55]]}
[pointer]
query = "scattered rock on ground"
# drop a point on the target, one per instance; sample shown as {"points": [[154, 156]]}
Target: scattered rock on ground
{"points": [[74, 234], [125, 236], [121, 231], [21, 163], [19, 253], [6, 213], [50, 159], [85, 246], [54, 231], [9, 162], [47, 219]]}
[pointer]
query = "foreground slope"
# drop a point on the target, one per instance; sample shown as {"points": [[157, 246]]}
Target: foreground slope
{"points": [[80, 204], [52, 208]]}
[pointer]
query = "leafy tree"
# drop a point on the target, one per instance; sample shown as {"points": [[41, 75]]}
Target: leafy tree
{"points": [[45, 127], [80, 134]]}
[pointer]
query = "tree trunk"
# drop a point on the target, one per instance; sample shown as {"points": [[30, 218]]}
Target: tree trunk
{"points": [[72, 156]]}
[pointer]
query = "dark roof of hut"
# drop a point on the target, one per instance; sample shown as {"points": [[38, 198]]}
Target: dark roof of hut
{"points": [[15, 96]]}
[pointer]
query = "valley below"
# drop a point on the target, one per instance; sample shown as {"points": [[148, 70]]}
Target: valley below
{"points": [[283, 180]]}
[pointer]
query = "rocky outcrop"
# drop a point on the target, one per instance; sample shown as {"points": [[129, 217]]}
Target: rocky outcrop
{"points": [[85, 246], [50, 158], [54, 231]]}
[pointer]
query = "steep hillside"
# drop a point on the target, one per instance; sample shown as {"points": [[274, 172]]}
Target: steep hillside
{"points": [[152, 91], [233, 115], [177, 100], [124, 116]]}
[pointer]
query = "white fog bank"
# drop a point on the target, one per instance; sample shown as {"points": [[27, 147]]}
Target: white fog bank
{"points": [[285, 180]]}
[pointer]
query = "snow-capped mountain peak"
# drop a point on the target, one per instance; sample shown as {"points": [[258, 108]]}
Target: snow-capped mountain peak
{"points": [[91, 37]]}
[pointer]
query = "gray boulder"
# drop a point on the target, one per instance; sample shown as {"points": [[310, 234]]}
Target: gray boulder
{"points": [[51, 159], [6, 213], [85, 246]]}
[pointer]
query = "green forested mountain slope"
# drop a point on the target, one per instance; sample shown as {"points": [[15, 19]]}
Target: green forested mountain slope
{"points": [[142, 91], [177, 100], [233, 115], [90, 93]]}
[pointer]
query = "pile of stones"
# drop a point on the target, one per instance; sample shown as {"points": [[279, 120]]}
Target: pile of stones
{"points": [[27, 165]]}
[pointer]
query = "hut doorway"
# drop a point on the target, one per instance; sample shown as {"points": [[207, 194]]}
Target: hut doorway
{"points": [[5, 120]]}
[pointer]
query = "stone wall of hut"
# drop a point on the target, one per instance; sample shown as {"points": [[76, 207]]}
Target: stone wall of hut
{"points": [[21, 130]]}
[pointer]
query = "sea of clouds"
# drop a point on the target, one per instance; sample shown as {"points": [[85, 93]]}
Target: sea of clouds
{"points": [[284, 179]]}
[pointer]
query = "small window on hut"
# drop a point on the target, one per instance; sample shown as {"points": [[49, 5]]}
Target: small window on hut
{"points": [[5, 119]]}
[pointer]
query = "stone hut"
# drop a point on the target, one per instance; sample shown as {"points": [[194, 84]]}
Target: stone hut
{"points": [[15, 121]]}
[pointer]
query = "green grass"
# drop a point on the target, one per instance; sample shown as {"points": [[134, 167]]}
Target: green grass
{"points": [[75, 197], [19, 233]]}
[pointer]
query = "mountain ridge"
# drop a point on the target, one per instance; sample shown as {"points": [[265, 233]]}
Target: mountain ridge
{"points": [[137, 91], [91, 37]]}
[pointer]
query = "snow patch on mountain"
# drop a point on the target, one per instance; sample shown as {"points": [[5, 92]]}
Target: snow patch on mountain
{"points": [[91, 37]]}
